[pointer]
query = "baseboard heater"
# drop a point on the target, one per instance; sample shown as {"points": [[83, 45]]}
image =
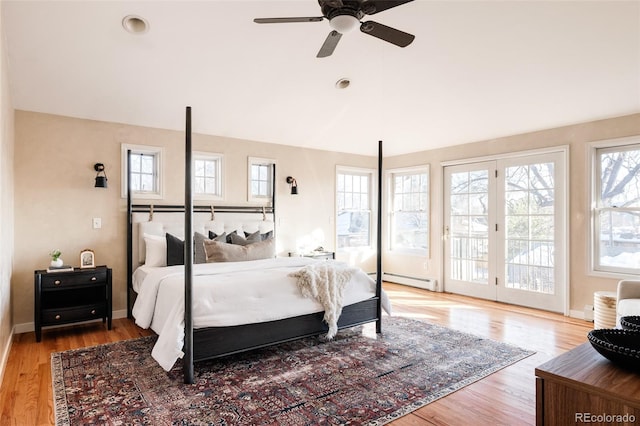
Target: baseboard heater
{"points": [[426, 283]]}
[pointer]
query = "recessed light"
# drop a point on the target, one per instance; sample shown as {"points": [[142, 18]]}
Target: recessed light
{"points": [[343, 83], [135, 24]]}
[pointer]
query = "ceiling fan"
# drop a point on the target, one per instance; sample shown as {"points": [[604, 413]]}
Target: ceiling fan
{"points": [[345, 15]]}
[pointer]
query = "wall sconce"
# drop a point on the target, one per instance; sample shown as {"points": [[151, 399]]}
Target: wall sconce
{"points": [[294, 185], [101, 181]]}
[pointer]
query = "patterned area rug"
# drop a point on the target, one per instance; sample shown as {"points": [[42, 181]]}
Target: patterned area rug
{"points": [[357, 378]]}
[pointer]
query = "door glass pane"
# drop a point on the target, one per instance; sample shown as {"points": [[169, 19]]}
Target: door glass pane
{"points": [[529, 222], [469, 230]]}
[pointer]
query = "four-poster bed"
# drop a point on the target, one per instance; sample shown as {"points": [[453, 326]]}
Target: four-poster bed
{"points": [[205, 342]]}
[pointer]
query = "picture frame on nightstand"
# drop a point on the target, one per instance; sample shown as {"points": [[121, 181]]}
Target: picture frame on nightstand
{"points": [[87, 259]]}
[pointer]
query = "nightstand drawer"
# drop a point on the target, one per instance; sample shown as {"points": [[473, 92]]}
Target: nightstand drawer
{"points": [[61, 279], [76, 313]]}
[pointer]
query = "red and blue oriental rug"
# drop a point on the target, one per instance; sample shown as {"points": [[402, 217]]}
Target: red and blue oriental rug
{"points": [[358, 378]]}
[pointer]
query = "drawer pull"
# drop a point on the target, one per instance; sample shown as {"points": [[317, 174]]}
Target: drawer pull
{"points": [[93, 278], [93, 312], [58, 317], [57, 282]]}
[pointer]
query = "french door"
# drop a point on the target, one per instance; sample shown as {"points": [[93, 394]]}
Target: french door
{"points": [[505, 224]]}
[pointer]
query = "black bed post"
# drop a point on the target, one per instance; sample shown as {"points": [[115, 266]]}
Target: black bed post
{"points": [[188, 257], [379, 244], [273, 198], [129, 237]]}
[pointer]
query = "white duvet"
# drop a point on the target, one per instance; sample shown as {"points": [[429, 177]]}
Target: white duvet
{"points": [[226, 294]]}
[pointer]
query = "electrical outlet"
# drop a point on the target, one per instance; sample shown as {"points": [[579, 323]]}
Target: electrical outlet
{"points": [[97, 223]]}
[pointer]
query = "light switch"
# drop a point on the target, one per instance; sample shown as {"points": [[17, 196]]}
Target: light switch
{"points": [[97, 223]]}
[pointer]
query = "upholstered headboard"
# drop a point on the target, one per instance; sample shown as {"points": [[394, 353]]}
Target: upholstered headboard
{"points": [[161, 223]]}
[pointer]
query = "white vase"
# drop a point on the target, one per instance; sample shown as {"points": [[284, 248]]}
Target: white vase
{"points": [[57, 263]]}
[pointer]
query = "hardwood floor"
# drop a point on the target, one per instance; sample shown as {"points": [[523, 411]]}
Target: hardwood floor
{"points": [[504, 398]]}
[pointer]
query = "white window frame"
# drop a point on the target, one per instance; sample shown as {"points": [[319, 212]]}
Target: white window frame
{"points": [[372, 200], [594, 229], [158, 153], [251, 197], [391, 175], [218, 194]]}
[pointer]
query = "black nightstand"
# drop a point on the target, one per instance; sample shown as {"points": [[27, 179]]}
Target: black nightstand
{"points": [[321, 255], [68, 297]]}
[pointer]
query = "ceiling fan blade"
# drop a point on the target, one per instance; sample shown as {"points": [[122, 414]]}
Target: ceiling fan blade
{"points": [[331, 3], [288, 20], [397, 37], [371, 7], [329, 44]]}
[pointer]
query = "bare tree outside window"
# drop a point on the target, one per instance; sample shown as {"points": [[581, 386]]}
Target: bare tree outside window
{"points": [[409, 216], [529, 226], [617, 210], [353, 201], [143, 172]]}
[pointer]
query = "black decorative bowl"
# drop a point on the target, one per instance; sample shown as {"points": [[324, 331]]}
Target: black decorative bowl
{"points": [[619, 346], [630, 323]]}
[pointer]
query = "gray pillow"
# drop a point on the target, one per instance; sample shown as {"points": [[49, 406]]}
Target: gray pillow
{"points": [[263, 237], [223, 252], [214, 236], [251, 238]]}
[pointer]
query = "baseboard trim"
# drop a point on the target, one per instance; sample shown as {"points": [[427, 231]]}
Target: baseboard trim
{"points": [[30, 326], [5, 355], [425, 283], [578, 314]]}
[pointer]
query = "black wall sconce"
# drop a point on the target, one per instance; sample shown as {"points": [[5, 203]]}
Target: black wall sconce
{"points": [[101, 181], [294, 185]]}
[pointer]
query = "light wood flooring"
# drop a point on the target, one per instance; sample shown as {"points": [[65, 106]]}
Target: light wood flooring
{"points": [[504, 398]]}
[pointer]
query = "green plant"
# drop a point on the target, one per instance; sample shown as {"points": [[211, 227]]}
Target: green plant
{"points": [[55, 254]]}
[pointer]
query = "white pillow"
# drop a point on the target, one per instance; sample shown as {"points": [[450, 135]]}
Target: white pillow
{"points": [[156, 252]]}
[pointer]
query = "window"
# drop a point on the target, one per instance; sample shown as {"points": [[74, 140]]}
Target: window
{"points": [[146, 171], [617, 208], [409, 219], [207, 176], [353, 203], [260, 179]]}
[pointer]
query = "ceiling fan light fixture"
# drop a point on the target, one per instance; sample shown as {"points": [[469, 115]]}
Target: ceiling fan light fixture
{"points": [[135, 24], [344, 23]]}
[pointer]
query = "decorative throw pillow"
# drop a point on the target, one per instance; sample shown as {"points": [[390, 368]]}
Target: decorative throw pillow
{"points": [[198, 243], [263, 237], [156, 250], [221, 237], [175, 250], [251, 238], [198, 246], [224, 252]]}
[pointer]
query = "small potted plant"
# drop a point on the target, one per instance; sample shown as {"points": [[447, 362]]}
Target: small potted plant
{"points": [[55, 258]]}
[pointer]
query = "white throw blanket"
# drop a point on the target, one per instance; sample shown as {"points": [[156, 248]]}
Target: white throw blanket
{"points": [[325, 282]]}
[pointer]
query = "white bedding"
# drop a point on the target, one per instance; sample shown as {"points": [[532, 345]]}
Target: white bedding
{"points": [[226, 294]]}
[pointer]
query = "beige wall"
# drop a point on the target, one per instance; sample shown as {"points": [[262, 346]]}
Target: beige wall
{"points": [[55, 200], [577, 137], [6, 204]]}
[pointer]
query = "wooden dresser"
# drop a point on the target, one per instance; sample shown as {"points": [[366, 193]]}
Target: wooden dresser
{"points": [[583, 387]]}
